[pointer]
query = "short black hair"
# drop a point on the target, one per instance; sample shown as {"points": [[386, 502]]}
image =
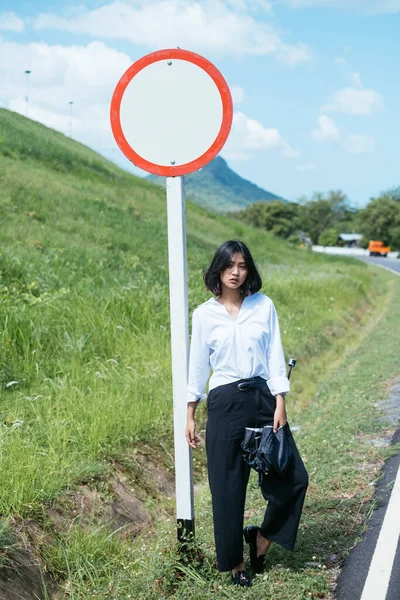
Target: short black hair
{"points": [[220, 262]]}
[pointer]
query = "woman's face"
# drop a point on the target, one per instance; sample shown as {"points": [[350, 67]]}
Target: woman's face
{"points": [[235, 273]]}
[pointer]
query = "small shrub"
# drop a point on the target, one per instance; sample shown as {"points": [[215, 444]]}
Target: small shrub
{"points": [[328, 237]]}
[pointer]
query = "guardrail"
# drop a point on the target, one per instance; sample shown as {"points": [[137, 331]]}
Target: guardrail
{"points": [[348, 251]]}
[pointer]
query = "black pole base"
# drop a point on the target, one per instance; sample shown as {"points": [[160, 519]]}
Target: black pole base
{"points": [[185, 530]]}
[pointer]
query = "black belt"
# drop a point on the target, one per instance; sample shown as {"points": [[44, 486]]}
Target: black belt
{"points": [[252, 382], [257, 383]]}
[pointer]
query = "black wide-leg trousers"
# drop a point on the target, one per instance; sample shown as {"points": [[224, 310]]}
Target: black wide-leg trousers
{"points": [[230, 410]]}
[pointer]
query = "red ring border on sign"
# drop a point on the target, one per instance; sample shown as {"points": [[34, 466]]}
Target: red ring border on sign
{"points": [[227, 112]]}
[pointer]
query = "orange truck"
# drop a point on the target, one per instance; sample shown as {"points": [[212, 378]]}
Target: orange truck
{"points": [[376, 248]]}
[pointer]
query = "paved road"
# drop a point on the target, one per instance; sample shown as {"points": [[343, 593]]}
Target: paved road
{"points": [[389, 263], [372, 569]]}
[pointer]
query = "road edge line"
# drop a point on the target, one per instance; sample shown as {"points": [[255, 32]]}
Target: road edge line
{"points": [[380, 569]]}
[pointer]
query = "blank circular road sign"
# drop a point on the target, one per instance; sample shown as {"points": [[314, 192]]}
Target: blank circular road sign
{"points": [[171, 112]]}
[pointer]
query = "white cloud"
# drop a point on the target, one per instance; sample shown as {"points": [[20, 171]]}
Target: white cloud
{"points": [[359, 144], [9, 21], [249, 137], [355, 100], [254, 6], [217, 26], [294, 55], [59, 75], [326, 131], [62, 74], [363, 6], [306, 167]]}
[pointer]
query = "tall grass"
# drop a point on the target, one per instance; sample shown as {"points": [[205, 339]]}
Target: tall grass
{"points": [[84, 316]]}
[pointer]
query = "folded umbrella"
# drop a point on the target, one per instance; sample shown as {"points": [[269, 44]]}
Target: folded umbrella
{"points": [[266, 451]]}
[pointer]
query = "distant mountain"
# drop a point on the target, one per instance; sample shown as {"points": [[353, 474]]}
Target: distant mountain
{"points": [[219, 189]]}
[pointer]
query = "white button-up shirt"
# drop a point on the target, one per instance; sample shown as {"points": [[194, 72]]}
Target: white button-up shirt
{"points": [[247, 347]]}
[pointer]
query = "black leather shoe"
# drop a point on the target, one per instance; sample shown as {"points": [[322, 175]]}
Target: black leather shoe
{"points": [[250, 536], [242, 578]]}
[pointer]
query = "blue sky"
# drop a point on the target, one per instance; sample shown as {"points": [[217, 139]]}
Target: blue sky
{"points": [[315, 83]]}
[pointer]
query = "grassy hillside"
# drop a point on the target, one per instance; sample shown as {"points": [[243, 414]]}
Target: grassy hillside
{"points": [[219, 189], [84, 323]]}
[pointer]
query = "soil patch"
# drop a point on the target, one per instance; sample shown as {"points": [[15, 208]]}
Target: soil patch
{"points": [[117, 501]]}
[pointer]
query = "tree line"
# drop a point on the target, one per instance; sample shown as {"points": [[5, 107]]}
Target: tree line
{"points": [[323, 216]]}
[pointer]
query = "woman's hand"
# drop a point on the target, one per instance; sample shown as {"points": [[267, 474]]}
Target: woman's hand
{"points": [[280, 417], [190, 433]]}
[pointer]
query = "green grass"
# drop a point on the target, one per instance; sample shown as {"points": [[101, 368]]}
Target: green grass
{"points": [[84, 330], [7, 538]]}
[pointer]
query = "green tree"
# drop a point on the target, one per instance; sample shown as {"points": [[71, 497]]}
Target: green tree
{"points": [[380, 220], [328, 237], [311, 216], [280, 218], [393, 194], [322, 212]]}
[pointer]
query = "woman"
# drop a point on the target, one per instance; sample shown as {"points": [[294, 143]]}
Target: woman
{"points": [[236, 334]]}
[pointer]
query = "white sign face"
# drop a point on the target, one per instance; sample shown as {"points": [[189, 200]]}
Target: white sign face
{"points": [[171, 112]]}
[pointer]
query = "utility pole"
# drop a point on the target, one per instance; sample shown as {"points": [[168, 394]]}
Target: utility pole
{"points": [[70, 103], [27, 91]]}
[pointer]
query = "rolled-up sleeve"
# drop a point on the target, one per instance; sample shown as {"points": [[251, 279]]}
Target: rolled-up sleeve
{"points": [[199, 362], [278, 382]]}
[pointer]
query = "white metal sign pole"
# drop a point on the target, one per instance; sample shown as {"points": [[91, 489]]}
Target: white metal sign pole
{"points": [[180, 352]]}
